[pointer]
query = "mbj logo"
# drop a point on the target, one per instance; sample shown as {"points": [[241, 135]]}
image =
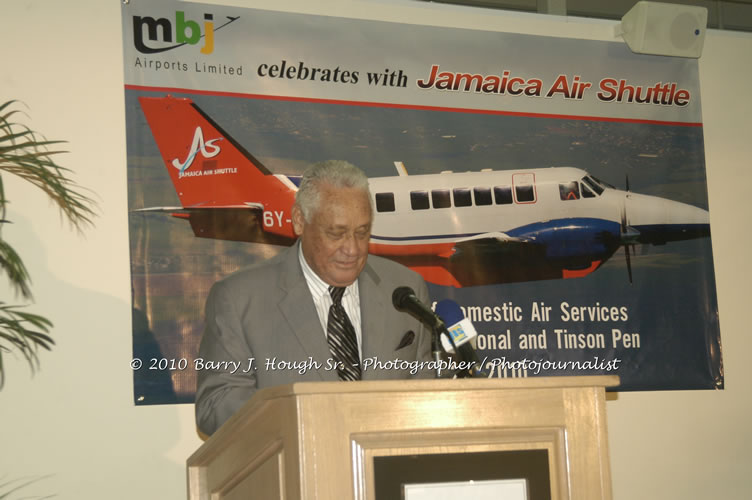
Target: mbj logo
{"points": [[208, 150], [186, 32]]}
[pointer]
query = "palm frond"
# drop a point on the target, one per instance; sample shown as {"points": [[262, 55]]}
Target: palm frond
{"points": [[14, 268], [26, 154], [7, 488], [24, 332], [31, 157]]}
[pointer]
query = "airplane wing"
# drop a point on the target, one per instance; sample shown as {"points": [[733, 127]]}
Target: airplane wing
{"points": [[226, 222], [492, 243], [496, 236]]}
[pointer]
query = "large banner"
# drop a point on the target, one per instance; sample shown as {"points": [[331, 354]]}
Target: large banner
{"points": [[554, 188]]}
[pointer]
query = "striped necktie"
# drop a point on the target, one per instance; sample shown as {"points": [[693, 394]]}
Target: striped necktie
{"points": [[341, 337]]}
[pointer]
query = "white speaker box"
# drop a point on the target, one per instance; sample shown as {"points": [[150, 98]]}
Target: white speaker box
{"points": [[665, 29]]}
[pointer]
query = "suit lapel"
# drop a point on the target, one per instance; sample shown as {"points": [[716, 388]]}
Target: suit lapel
{"points": [[373, 319], [300, 313]]}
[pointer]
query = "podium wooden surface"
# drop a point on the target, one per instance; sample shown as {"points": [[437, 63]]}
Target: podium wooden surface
{"points": [[318, 440]]}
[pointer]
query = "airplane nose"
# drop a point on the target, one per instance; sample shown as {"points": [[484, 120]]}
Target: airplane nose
{"points": [[651, 210], [659, 220]]}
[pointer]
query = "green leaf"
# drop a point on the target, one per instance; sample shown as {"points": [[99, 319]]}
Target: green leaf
{"points": [[23, 332], [24, 153], [28, 155], [14, 268], [7, 488]]}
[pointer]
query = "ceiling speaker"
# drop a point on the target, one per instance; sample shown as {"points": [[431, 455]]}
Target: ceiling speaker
{"points": [[665, 29]]}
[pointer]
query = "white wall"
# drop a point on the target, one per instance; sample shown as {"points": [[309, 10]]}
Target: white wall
{"points": [[75, 419]]}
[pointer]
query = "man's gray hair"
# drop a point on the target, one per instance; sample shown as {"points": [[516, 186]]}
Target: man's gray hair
{"points": [[335, 173]]}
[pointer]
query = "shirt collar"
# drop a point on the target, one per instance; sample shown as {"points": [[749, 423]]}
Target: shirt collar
{"points": [[318, 286]]}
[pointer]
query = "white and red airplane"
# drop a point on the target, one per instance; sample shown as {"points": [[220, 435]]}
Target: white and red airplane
{"points": [[455, 229]]}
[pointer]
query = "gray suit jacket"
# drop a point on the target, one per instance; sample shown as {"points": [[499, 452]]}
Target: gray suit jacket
{"points": [[267, 314]]}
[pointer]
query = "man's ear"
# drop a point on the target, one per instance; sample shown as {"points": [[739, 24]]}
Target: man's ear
{"points": [[298, 221]]}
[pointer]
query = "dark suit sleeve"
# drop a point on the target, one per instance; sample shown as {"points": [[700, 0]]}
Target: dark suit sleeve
{"points": [[424, 334], [224, 384]]}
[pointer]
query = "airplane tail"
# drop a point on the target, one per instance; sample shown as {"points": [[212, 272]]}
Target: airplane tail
{"points": [[210, 171]]}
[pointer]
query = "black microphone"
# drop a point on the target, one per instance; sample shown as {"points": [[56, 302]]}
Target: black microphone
{"points": [[461, 331], [404, 299]]}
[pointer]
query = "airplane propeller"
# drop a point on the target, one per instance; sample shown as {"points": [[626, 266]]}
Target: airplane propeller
{"points": [[624, 229], [628, 234]]}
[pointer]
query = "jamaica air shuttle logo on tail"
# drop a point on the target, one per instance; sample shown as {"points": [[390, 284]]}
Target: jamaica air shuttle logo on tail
{"points": [[207, 148], [163, 31]]}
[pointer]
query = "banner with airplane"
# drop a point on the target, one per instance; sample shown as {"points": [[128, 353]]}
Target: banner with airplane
{"points": [[554, 188]]}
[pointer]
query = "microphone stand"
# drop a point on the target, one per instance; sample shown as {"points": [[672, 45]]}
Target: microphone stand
{"points": [[436, 349]]}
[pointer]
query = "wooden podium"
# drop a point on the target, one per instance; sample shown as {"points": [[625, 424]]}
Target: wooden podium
{"points": [[329, 440]]}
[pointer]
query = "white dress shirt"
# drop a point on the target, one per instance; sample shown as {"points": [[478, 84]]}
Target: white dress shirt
{"points": [[323, 301]]}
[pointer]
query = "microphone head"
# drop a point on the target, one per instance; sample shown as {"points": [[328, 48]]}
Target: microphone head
{"points": [[399, 295], [449, 311]]}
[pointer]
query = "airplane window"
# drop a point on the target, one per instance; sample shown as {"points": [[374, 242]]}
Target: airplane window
{"points": [[525, 193], [569, 191], [586, 193], [462, 197], [590, 182], [440, 198], [482, 196], [385, 202], [503, 195], [419, 200], [601, 183]]}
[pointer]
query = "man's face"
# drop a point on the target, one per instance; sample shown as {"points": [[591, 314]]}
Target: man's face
{"points": [[335, 240]]}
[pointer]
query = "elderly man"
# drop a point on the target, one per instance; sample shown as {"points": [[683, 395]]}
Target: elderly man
{"points": [[320, 310]]}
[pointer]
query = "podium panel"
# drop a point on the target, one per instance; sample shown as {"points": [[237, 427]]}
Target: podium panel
{"points": [[395, 476], [324, 440]]}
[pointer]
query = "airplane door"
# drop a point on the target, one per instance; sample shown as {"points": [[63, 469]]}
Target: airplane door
{"points": [[523, 186]]}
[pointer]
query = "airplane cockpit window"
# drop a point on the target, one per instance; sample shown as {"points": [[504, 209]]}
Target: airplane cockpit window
{"points": [[385, 202], [594, 184], [525, 193], [503, 195], [482, 196], [586, 192], [440, 198], [462, 197], [419, 200], [569, 191]]}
